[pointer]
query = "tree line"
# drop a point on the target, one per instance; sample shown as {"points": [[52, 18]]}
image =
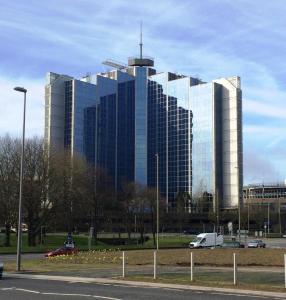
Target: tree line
{"points": [[64, 194]]}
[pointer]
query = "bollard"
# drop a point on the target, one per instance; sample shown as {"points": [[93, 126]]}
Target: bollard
{"points": [[123, 264], [192, 266], [155, 264], [234, 269], [1, 270], [285, 269]]}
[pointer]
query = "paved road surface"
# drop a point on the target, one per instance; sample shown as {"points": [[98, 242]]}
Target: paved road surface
{"points": [[30, 289], [7, 257], [270, 243]]}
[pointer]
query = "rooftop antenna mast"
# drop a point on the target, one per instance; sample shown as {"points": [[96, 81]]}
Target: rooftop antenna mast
{"points": [[141, 43], [140, 61]]}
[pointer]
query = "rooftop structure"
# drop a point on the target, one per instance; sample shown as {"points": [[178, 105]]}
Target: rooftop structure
{"points": [[264, 193]]}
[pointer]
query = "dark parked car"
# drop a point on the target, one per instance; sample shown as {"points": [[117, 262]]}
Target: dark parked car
{"points": [[256, 244], [62, 251], [232, 244]]}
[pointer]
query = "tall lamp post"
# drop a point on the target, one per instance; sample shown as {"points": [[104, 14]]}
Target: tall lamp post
{"points": [[268, 217], [279, 215], [19, 240], [238, 204], [157, 183]]}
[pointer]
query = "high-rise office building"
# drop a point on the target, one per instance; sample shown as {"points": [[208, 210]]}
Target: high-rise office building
{"points": [[120, 120]]}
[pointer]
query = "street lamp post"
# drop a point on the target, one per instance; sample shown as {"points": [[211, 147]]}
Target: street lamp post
{"points": [[239, 217], [238, 204], [248, 217], [19, 240], [279, 204], [157, 179], [268, 217]]}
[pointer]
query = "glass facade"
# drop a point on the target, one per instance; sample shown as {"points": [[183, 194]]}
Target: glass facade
{"points": [[180, 134], [125, 132], [169, 134], [140, 159], [84, 95], [79, 96], [68, 114], [201, 101], [90, 134], [106, 156], [121, 119], [157, 135]]}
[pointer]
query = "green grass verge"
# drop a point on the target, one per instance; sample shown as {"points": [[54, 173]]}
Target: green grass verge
{"points": [[52, 241], [251, 280]]}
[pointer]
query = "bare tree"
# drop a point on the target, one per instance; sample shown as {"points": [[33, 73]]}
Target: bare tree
{"points": [[127, 198], [137, 204], [71, 189], [101, 200], [150, 195], [41, 180], [57, 188], [9, 182], [183, 201]]}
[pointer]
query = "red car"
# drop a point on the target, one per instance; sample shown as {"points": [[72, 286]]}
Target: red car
{"points": [[62, 251]]}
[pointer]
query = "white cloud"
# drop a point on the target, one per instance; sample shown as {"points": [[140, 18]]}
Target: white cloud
{"points": [[258, 168], [11, 102], [265, 109], [215, 38], [263, 130]]}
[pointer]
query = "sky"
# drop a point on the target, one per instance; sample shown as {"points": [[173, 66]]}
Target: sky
{"points": [[209, 39]]}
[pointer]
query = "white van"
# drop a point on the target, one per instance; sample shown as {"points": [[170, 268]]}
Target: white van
{"points": [[204, 240]]}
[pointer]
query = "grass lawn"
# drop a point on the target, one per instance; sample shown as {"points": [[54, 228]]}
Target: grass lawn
{"points": [[211, 257], [252, 281], [167, 257], [53, 241]]}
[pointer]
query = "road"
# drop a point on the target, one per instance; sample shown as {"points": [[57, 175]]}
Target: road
{"points": [[270, 243], [9, 257], [275, 243], [30, 289]]}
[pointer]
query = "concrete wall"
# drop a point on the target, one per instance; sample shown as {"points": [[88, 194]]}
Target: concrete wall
{"points": [[231, 114], [55, 110]]}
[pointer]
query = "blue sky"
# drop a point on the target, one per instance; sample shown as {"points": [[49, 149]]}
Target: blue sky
{"points": [[209, 39]]}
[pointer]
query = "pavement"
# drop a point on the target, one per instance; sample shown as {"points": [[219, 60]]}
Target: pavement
{"points": [[30, 287]]}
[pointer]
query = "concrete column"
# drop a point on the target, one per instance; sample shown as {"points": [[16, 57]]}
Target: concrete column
{"points": [[234, 269], [285, 269], [155, 264], [123, 264], [192, 266]]}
